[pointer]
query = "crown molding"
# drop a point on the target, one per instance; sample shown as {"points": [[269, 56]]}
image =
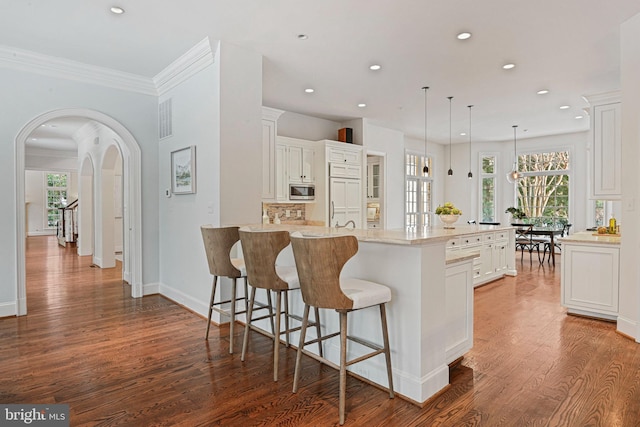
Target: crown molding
{"points": [[51, 66], [611, 97], [192, 62]]}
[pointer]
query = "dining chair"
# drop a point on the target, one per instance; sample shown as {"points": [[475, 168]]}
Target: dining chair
{"points": [[525, 241], [557, 244]]}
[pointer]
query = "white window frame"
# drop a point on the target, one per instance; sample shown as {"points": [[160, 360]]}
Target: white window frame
{"points": [[496, 176], [568, 171], [418, 179], [46, 225]]}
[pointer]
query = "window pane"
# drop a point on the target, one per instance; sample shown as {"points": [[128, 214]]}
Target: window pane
{"points": [[545, 198], [488, 164], [488, 199]]}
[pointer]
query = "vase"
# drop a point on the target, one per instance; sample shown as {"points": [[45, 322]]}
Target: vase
{"points": [[449, 220]]}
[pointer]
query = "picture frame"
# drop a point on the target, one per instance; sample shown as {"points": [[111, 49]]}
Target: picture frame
{"points": [[183, 170]]}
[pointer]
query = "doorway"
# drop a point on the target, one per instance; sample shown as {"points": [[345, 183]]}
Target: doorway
{"points": [[131, 197]]}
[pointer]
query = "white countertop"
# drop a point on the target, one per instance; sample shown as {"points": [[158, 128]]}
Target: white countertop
{"points": [[588, 237], [403, 236]]}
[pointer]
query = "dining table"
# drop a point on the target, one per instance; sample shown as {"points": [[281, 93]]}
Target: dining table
{"points": [[543, 230]]}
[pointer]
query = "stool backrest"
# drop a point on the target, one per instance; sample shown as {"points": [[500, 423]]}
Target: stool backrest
{"points": [[319, 262], [260, 249], [218, 242]]}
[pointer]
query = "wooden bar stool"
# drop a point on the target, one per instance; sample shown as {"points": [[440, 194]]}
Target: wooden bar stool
{"points": [[217, 244], [261, 249], [319, 262]]}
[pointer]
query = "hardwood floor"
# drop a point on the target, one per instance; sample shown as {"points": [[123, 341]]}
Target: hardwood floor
{"points": [[122, 361]]}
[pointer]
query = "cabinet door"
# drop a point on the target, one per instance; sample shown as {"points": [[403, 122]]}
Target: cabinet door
{"points": [[590, 278], [373, 180], [308, 159], [282, 175], [486, 258], [606, 157], [500, 257], [346, 201], [459, 310], [301, 164], [268, 159]]}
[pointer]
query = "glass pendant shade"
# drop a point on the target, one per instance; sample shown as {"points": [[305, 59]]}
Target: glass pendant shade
{"points": [[425, 169]]}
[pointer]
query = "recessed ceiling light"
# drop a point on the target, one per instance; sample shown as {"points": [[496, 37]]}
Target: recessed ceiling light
{"points": [[579, 117], [302, 36], [463, 36], [542, 92], [309, 90], [463, 134], [564, 107], [117, 10], [508, 66], [375, 67], [362, 105]]}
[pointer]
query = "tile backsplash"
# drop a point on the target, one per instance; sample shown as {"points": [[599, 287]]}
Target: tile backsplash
{"points": [[281, 210]]}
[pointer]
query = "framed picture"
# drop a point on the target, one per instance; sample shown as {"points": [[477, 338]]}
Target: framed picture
{"points": [[183, 170]]}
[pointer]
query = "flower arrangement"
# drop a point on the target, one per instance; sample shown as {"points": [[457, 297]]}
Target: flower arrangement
{"points": [[448, 209], [516, 213]]}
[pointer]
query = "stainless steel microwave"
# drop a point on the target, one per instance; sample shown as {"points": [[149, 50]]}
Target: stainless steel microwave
{"points": [[302, 192]]}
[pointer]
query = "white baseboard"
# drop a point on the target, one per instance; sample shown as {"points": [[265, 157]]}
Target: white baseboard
{"points": [[41, 233], [627, 327], [8, 309]]}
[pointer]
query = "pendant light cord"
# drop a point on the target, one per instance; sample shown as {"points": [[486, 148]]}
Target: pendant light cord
{"points": [[425, 169], [450, 172], [470, 175]]}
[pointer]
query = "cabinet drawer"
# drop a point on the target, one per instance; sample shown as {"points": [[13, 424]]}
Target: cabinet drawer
{"points": [[488, 237], [337, 155], [470, 240], [502, 235], [453, 243], [345, 170]]}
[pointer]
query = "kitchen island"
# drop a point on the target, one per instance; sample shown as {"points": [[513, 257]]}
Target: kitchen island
{"points": [[590, 274], [430, 316]]}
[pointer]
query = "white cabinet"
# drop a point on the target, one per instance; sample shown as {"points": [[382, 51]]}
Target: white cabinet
{"points": [[495, 253], [459, 309], [347, 154], [282, 174], [373, 180], [590, 279], [606, 151], [269, 132], [301, 167], [346, 201]]}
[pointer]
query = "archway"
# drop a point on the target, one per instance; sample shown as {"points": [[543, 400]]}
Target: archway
{"points": [[85, 211], [132, 203]]}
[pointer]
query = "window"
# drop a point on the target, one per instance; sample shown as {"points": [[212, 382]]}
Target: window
{"points": [[543, 192], [56, 194], [417, 191], [488, 182]]}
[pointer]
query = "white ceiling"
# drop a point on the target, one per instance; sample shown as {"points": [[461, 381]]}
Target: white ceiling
{"points": [[570, 47]]}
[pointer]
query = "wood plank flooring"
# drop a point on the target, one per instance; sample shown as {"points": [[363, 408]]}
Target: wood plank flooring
{"points": [[142, 362]]}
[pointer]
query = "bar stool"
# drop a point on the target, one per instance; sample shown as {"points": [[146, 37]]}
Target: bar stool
{"points": [[319, 262], [217, 245], [261, 249]]}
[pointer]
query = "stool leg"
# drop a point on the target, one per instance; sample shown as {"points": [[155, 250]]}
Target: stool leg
{"points": [[276, 337], [247, 326], [273, 330], [387, 352], [303, 333], [246, 294], [318, 331], [213, 293], [343, 364], [232, 322], [286, 318]]}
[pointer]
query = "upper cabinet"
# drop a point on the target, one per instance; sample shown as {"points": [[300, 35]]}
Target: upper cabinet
{"points": [[606, 155], [269, 132], [301, 167]]}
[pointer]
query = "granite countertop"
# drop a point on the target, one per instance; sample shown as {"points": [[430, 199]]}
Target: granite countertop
{"points": [[588, 237], [401, 236]]}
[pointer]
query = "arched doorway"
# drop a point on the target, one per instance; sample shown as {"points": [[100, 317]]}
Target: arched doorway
{"points": [[132, 204]]}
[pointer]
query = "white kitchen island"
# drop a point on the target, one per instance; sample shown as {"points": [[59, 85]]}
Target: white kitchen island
{"points": [[430, 316]]}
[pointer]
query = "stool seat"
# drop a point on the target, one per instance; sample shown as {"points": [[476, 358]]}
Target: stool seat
{"points": [[365, 293], [289, 274], [239, 264]]}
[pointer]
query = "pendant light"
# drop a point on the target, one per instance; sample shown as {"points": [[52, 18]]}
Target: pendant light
{"points": [[470, 175], [514, 175], [425, 169], [450, 172]]}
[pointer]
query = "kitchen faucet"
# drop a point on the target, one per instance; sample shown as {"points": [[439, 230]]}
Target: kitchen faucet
{"points": [[346, 224]]}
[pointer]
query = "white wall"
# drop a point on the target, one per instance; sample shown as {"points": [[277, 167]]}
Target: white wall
{"points": [[38, 94], [299, 126], [629, 297], [391, 142]]}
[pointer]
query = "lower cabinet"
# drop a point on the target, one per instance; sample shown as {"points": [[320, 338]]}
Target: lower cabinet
{"points": [[493, 249], [590, 279], [459, 308]]}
